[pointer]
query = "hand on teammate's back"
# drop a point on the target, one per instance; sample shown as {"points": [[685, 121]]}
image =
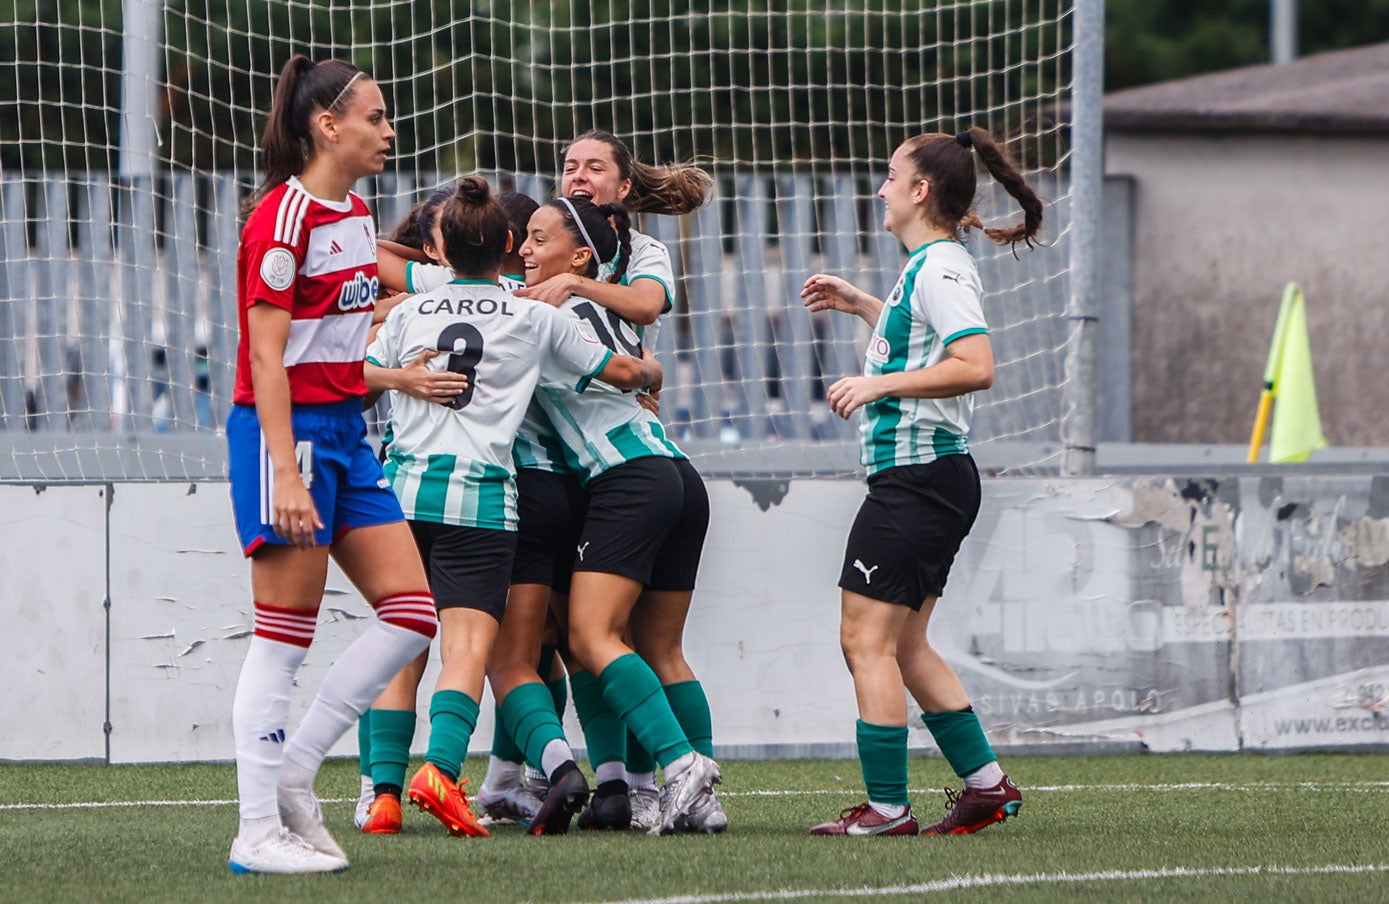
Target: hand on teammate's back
{"points": [[417, 379]]}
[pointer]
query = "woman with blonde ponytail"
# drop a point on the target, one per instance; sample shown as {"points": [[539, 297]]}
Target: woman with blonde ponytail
{"points": [[929, 353]]}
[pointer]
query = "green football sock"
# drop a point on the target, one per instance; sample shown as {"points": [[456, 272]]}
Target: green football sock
{"points": [[392, 730], [452, 718], [961, 739], [639, 761], [635, 694], [503, 743], [531, 712], [364, 744], [691, 708], [604, 733], [559, 687], [882, 753]]}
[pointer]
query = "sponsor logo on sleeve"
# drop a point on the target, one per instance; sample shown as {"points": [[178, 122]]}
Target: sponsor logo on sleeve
{"points": [[277, 268]]}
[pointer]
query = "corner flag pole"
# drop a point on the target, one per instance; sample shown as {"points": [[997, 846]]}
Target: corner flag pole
{"points": [[1275, 354]]}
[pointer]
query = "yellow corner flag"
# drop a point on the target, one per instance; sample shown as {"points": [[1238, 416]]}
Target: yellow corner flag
{"points": [[1288, 380]]}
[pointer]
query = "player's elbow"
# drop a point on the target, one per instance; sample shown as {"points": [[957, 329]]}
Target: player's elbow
{"points": [[646, 314], [984, 378]]}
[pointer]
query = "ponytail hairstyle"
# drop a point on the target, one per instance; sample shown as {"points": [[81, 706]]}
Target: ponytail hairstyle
{"points": [[304, 87], [414, 229], [947, 163], [519, 208], [655, 189], [604, 229], [474, 229]]}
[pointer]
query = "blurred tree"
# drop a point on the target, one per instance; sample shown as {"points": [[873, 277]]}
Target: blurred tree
{"points": [[1158, 40], [504, 83]]}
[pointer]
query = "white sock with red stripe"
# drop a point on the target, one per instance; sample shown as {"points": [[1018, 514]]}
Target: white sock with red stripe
{"points": [[406, 622], [260, 711]]}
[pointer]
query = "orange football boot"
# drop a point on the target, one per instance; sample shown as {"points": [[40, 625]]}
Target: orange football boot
{"points": [[437, 794]]}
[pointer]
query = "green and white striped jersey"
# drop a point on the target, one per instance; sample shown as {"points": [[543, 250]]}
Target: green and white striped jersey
{"points": [[452, 465], [536, 445], [935, 302], [650, 260], [604, 427]]}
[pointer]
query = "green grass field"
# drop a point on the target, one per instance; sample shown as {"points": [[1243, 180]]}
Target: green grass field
{"points": [[1131, 828]]}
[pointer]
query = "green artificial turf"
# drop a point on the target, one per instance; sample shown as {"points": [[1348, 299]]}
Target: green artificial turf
{"points": [[1242, 828]]}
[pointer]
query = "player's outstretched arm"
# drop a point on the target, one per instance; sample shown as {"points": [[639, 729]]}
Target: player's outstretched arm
{"points": [[823, 292], [640, 303], [391, 261]]}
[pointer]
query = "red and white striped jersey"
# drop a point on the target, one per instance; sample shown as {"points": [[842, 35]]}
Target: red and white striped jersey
{"points": [[316, 259]]}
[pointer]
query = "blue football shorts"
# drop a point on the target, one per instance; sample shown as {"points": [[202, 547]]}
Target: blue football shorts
{"points": [[337, 463]]}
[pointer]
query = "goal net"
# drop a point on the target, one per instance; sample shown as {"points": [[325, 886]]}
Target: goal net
{"points": [[130, 138]]}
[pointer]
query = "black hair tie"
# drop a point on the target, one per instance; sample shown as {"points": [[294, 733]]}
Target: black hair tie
{"points": [[965, 140]]}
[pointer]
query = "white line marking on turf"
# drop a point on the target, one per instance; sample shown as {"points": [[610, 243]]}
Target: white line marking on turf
{"points": [[1071, 789], [1375, 787], [102, 805], [955, 883]]}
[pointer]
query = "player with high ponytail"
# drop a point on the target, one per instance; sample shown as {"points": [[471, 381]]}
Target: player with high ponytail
{"points": [[929, 353], [598, 167], [304, 480], [642, 534], [450, 463]]}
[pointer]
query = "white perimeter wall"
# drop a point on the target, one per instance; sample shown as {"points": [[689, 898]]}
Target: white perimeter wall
{"points": [[1086, 612]]}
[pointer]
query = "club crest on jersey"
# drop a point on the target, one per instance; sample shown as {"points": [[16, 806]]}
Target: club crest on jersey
{"points": [[277, 268], [358, 293], [896, 295], [879, 349]]}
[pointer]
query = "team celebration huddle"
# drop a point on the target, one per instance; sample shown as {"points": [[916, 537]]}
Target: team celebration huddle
{"points": [[528, 506]]}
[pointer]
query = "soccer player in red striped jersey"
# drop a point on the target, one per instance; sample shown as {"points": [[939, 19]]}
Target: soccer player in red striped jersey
{"points": [[305, 482]]}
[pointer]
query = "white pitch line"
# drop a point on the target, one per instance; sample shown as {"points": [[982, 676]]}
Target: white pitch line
{"points": [[106, 804], [955, 883], [1378, 787], [1071, 789]]}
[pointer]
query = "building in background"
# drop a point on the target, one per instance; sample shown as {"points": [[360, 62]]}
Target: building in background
{"points": [[1220, 189]]}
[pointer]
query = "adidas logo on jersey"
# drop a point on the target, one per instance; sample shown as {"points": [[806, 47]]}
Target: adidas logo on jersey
{"points": [[335, 248]]}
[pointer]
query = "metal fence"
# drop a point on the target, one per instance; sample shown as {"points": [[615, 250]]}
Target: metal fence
{"points": [[118, 321]]}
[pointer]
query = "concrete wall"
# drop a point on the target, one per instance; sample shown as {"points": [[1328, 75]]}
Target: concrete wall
{"points": [[1220, 226], [1175, 614]]}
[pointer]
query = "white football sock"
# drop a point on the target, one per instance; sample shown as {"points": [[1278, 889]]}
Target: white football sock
{"points": [[642, 780], [888, 811], [355, 680], [555, 755], [613, 771], [260, 717], [986, 776], [501, 773]]}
